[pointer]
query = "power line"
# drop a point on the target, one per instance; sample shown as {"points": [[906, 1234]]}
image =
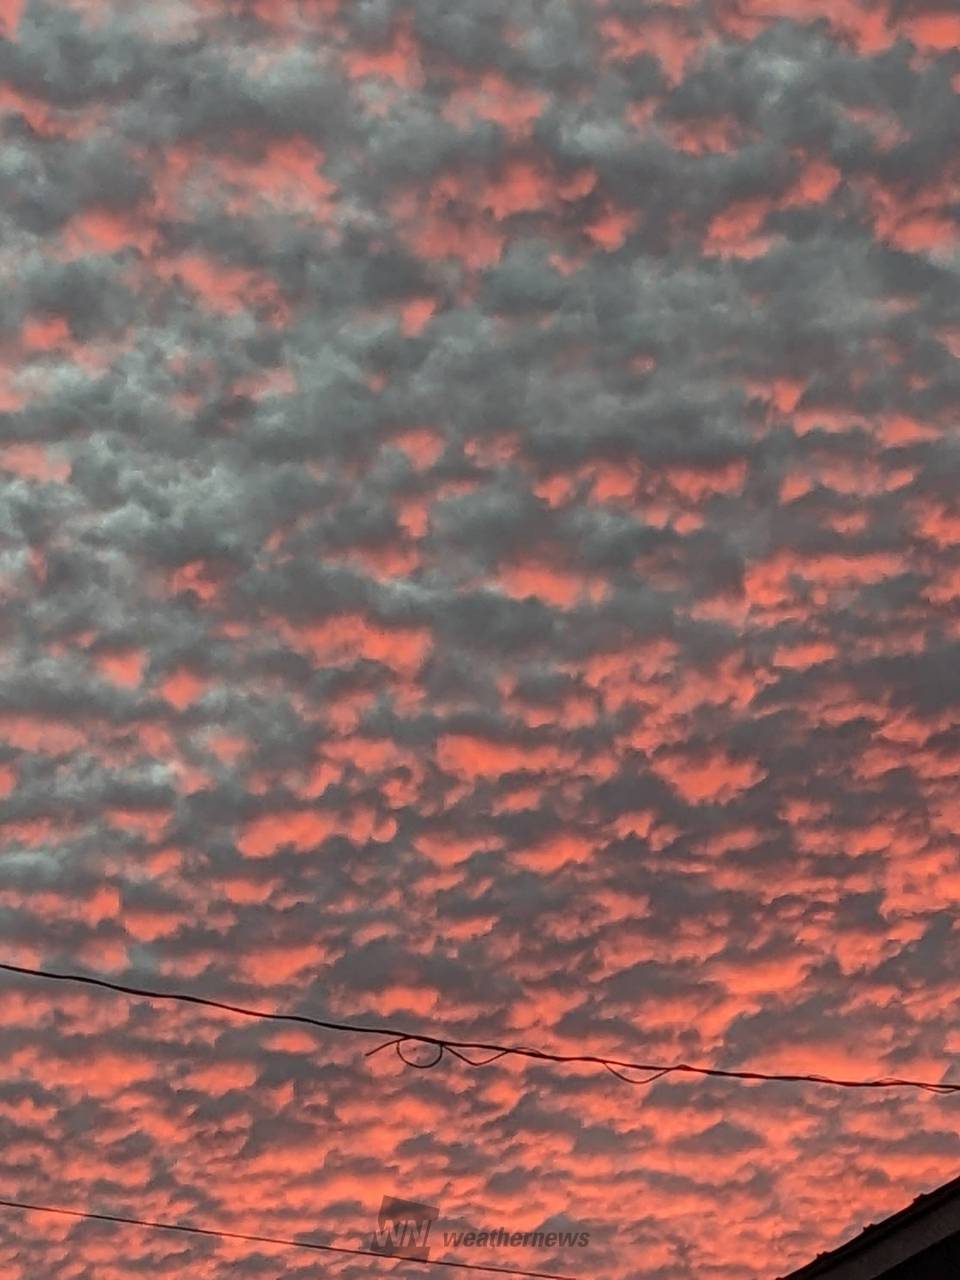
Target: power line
{"points": [[397, 1038], [260, 1239]]}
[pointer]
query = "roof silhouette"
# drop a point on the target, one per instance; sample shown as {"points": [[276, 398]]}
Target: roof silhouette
{"points": [[913, 1242]]}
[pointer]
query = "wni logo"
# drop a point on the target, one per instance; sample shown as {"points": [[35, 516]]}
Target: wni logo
{"points": [[403, 1228]]}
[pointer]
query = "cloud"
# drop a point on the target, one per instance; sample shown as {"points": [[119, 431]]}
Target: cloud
{"points": [[478, 551]]}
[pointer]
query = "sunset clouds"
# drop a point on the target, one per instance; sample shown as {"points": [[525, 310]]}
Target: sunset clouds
{"points": [[479, 547]]}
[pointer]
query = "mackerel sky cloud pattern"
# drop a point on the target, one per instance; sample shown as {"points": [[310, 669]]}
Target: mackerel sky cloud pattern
{"points": [[479, 548]]}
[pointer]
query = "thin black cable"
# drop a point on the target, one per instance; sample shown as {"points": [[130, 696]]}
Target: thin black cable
{"points": [[484, 1062], [396, 1037], [259, 1239]]}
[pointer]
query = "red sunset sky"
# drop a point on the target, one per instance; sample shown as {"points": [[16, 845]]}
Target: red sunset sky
{"points": [[479, 550]]}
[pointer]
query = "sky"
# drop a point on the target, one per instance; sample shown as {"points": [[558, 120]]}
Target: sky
{"points": [[479, 551]]}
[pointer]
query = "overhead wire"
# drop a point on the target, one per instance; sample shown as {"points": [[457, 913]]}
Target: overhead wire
{"points": [[399, 1039], [223, 1234]]}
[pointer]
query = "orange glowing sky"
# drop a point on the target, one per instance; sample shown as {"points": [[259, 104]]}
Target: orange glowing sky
{"points": [[480, 549]]}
